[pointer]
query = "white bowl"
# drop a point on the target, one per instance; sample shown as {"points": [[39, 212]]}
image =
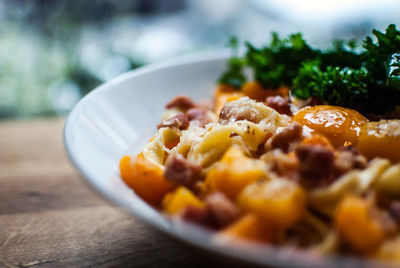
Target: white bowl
{"points": [[118, 118]]}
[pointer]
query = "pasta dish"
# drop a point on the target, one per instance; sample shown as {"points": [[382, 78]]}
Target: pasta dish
{"points": [[304, 152]]}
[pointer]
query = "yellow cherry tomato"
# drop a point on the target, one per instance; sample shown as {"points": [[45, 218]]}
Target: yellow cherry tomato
{"points": [[340, 125], [381, 139]]}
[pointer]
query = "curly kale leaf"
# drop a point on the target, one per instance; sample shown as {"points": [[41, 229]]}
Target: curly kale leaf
{"points": [[277, 64], [378, 55], [341, 86], [366, 78], [234, 76], [341, 55], [368, 81]]}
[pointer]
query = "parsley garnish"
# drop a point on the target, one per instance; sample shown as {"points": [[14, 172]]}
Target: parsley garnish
{"points": [[366, 78]]}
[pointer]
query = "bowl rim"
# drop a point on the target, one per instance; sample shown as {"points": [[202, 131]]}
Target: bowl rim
{"points": [[201, 238]]}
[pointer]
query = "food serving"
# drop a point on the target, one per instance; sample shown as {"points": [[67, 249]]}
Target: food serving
{"points": [[300, 147]]}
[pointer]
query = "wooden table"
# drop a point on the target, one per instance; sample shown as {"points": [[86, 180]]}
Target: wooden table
{"points": [[49, 217]]}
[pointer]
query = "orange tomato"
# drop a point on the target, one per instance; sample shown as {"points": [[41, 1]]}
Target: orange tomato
{"points": [[338, 124], [225, 94], [381, 139], [249, 227], [279, 201], [181, 198], [356, 225], [255, 91], [234, 172], [145, 178]]}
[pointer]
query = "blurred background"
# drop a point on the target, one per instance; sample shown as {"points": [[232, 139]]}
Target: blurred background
{"points": [[53, 52]]}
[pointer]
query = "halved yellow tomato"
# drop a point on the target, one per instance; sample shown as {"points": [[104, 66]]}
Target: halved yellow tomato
{"points": [[338, 124], [381, 139]]}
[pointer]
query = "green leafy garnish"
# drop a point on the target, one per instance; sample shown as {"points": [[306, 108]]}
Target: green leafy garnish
{"points": [[366, 78], [277, 64], [234, 76], [341, 86]]}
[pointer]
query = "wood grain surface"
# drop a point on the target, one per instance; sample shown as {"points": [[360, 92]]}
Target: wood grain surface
{"points": [[49, 217]]}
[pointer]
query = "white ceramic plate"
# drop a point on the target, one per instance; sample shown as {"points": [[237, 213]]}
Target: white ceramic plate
{"points": [[118, 118]]}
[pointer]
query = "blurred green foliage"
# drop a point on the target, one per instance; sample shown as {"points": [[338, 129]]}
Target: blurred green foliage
{"points": [[44, 67]]}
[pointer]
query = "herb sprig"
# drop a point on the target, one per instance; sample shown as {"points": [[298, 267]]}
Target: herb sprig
{"points": [[366, 78]]}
